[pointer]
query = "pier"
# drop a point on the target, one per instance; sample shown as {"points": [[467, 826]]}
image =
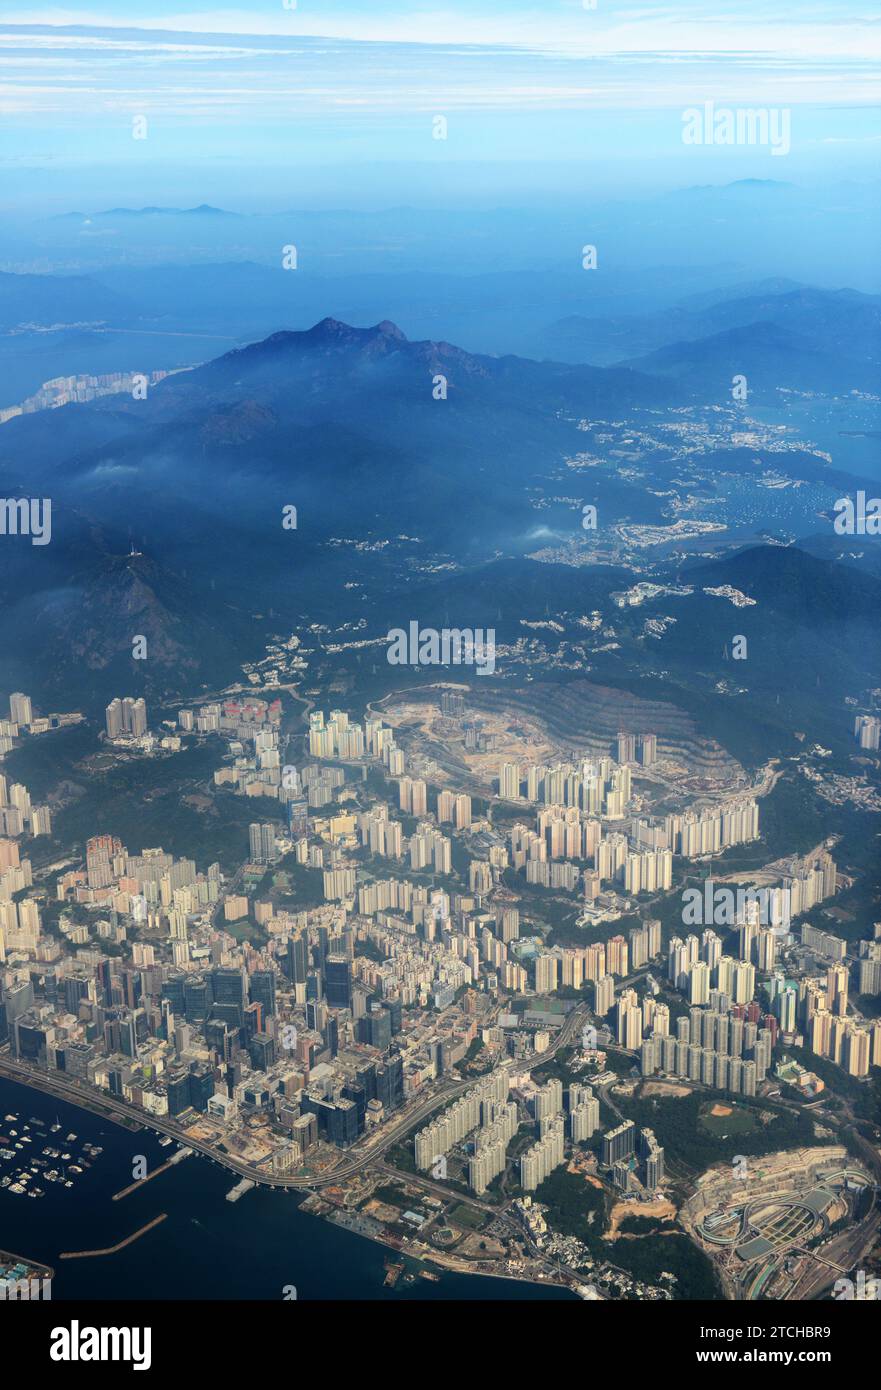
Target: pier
{"points": [[114, 1249], [170, 1163], [240, 1189]]}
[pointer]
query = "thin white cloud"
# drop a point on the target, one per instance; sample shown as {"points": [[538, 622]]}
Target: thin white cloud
{"points": [[562, 27], [636, 59]]}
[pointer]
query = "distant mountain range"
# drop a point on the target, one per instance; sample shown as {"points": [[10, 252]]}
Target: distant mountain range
{"points": [[413, 468], [778, 334], [203, 210], [769, 357], [50, 299], [800, 339], [400, 428], [346, 424]]}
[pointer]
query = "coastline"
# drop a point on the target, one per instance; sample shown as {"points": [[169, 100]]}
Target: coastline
{"points": [[45, 1085]]}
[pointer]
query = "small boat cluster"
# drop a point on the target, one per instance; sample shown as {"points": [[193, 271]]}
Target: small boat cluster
{"points": [[28, 1168]]}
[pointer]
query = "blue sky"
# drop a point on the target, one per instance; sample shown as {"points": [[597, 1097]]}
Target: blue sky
{"points": [[333, 82]]}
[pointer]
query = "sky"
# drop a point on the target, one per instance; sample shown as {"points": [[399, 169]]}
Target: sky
{"points": [[358, 83], [794, 27]]}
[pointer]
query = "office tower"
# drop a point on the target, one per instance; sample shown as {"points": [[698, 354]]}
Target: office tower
{"points": [[376, 1028], [230, 995], [262, 990], [19, 998], [338, 982], [317, 1015], [297, 964]]}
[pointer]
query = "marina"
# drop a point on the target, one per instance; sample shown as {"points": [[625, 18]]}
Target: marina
{"points": [[20, 1165]]}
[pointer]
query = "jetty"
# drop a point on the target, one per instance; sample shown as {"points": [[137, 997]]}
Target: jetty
{"points": [[114, 1249]]}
